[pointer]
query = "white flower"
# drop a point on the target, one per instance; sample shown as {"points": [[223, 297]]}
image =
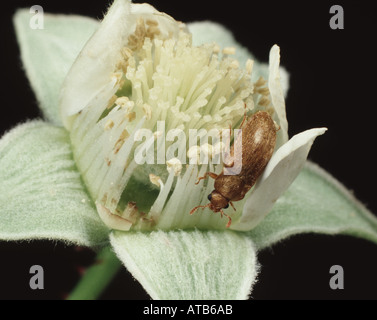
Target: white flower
{"points": [[140, 68]]}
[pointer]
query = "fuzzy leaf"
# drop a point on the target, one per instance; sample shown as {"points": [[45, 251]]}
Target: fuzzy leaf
{"points": [[41, 194], [189, 264], [316, 203], [47, 54]]}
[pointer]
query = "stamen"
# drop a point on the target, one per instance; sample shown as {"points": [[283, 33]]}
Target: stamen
{"points": [[156, 180], [207, 150], [131, 212], [151, 23], [216, 48], [111, 101], [147, 111], [174, 165], [264, 102], [235, 64], [249, 66], [187, 87], [260, 82], [194, 155], [229, 50], [130, 116], [263, 91]]}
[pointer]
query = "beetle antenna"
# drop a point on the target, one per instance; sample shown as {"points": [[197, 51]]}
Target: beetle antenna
{"points": [[244, 117], [196, 208], [231, 203]]}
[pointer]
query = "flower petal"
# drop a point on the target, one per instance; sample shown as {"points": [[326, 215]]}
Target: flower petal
{"points": [[47, 54], [189, 264], [315, 202], [95, 66], [208, 32], [277, 95], [280, 172], [41, 194]]}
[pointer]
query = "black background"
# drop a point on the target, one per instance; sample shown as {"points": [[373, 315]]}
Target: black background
{"points": [[332, 84]]}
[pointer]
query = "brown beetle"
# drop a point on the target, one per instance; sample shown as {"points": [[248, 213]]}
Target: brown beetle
{"points": [[258, 143]]}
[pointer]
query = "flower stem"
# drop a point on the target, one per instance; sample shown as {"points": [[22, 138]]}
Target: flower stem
{"points": [[96, 277]]}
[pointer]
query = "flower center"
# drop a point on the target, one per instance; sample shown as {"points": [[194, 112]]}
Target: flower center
{"points": [[159, 85]]}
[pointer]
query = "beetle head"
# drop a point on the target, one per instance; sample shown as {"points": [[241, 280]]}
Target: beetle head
{"points": [[218, 201]]}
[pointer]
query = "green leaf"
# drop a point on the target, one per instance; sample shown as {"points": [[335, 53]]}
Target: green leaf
{"points": [[41, 193], [189, 264], [47, 54], [316, 203]]}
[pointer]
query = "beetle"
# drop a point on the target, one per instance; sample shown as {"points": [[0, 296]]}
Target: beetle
{"points": [[258, 144]]}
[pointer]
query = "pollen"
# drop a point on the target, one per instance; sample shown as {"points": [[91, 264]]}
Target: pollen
{"points": [[264, 102], [260, 82], [263, 91], [109, 124], [174, 165], [130, 116], [111, 102], [156, 180], [148, 29], [122, 102]]}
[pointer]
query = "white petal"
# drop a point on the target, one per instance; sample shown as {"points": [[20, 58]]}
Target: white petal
{"points": [[168, 26], [111, 220], [280, 172], [277, 94], [315, 203], [95, 65], [93, 68]]}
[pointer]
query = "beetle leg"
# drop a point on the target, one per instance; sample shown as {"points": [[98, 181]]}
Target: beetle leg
{"points": [[196, 208], [211, 174], [229, 218], [231, 203]]}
